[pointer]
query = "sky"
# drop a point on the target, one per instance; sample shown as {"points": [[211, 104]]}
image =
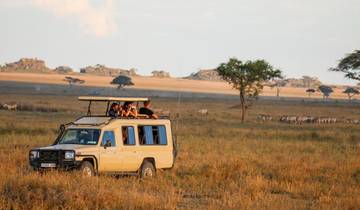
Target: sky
{"points": [[301, 37]]}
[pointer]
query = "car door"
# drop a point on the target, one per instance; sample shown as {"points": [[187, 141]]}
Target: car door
{"points": [[130, 157], [109, 153]]}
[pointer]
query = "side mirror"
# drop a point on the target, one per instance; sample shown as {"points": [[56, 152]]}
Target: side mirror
{"points": [[62, 128]]}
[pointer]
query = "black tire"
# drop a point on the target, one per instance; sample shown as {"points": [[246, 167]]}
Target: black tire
{"points": [[87, 169], [147, 169]]}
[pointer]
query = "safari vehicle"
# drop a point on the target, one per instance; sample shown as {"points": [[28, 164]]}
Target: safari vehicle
{"points": [[99, 144]]}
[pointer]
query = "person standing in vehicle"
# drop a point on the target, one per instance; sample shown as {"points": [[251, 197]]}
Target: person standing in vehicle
{"points": [[114, 110], [147, 111], [129, 110]]}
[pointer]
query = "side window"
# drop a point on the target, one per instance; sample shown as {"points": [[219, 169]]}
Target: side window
{"points": [[108, 139], [162, 135], [128, 135], [152, 135]]}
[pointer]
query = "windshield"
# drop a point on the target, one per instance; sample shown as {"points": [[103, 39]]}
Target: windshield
{"points": [[80, 136]]}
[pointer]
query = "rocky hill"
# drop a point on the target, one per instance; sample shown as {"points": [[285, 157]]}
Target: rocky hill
{"points": [[102, 70], [63, 70], [160, 74], [304, 82], [26, 65], [205, 74]]}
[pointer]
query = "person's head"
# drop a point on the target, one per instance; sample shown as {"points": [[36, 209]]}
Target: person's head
{"points": [[114, 106], [128, 104], [147, 103]]}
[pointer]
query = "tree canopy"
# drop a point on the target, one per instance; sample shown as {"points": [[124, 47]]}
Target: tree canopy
{"points": [[122, 81], [310, 91], [247, 77], [350, 65], [73, 80], [326, 91], [351, 91]]}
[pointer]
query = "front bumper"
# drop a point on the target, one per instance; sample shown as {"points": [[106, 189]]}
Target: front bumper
{"points": [[60, 165], [53, 159]]}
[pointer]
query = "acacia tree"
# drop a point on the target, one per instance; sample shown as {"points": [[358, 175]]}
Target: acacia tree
{"points": [[278, 83], [326, 91], [351, 92], [122, 81], [248, 78], [74, 81], [350, 65], [310, 91]]}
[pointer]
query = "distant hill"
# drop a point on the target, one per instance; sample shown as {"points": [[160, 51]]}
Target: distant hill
{"points": [[63, 70], [305, 82], [31, 65], [160, 74], [102, 70], [205, 74]]}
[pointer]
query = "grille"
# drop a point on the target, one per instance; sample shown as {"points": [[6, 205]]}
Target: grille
{"points": [[49, 156]]}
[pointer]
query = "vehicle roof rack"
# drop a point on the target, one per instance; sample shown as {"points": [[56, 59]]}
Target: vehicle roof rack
{"points": [[107, 99], [104, 98]]}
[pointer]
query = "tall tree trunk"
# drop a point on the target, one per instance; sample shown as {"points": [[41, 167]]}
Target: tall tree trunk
{"points": [[243, 106]]}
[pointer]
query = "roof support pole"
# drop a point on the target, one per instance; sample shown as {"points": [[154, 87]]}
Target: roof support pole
{"points": [[107, 108], [89, 109]]}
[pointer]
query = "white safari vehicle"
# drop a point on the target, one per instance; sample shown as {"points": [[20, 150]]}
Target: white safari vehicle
{"points": [[101, 144]]}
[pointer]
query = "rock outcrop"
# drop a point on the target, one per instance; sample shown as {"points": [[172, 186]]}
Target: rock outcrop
{"points": [[27, 65], [63, 70], [160, 74], [304, 82], [102, 70], [206, 74]]}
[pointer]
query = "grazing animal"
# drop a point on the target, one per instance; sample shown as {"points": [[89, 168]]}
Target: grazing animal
{"points": [[307, 119], [352, 121], [10, 107], [264, 117], [203, 111], [288, 119]]}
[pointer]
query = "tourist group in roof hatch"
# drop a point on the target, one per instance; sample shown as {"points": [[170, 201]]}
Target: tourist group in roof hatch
{"points": [[128, 109]]}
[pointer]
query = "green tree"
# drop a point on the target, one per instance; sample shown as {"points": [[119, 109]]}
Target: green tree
{"points": [[350, 65], [248, 78], [122, 81], [351, 92], [278, 83], [310, 91], [326, 91]]}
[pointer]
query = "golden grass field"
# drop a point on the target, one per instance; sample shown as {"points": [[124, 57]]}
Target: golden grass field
{"points": [[222, 164], [167, 84]]}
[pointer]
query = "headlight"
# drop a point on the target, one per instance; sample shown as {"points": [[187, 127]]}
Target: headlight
{"points": [[34, 154], [69, 155]]}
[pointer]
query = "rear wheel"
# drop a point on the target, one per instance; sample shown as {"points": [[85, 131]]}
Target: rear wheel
{"points": [[147, 169], [87, 169]]}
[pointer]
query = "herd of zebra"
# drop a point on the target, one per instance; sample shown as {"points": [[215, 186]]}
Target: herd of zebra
{"points": [[305, 119]]}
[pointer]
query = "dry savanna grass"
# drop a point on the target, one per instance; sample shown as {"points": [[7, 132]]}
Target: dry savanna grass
{"points": [[164, 84], [222, 164]]}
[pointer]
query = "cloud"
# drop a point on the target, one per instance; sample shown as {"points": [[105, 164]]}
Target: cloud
{"points": [[97, 20]]}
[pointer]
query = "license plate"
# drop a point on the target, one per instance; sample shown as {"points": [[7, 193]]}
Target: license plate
{"points": [[48, 165]]}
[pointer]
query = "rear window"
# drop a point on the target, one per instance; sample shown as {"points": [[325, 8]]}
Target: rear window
{"points": [[152, 135]]}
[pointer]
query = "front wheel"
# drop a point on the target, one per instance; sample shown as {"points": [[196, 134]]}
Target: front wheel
{"points": [[147, 170], [87, 169]]}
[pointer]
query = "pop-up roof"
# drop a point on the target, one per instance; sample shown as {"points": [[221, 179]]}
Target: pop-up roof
{"points": [[103, 98], [91, 99]]}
